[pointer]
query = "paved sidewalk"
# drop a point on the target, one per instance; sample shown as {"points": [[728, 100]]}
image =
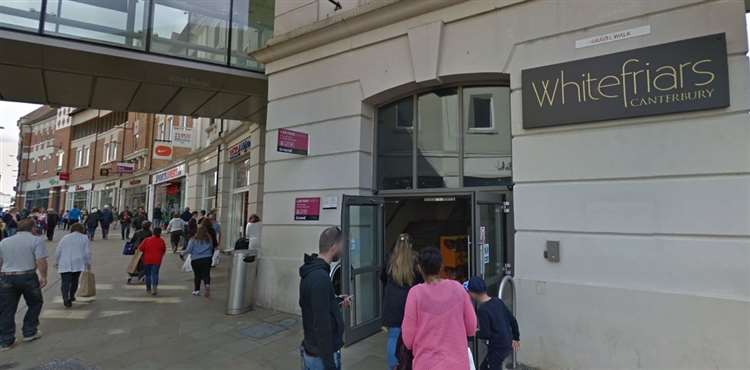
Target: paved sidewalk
{"points": [[123, 328]]}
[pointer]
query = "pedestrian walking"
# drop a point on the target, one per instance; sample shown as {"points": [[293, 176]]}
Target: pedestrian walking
{"points": [[92, 222], [157, 221], [253, 230], [200, 250], [153, 249], [497, 325], [321, 309], [74, 215], [64, 220], [23, 273], [125, 220], [175, 229], [438, 318], [52, 219], [186, 215], [105, 219], [72, 256], [10, 219], [399, 276]]}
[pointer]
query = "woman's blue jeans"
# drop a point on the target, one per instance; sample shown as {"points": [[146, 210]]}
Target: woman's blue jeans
{"points": [[390, 348], [152, 276]]}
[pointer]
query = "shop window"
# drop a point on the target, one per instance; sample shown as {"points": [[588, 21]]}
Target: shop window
{"points": [[395, 145], [242, 174], [487, 142]]}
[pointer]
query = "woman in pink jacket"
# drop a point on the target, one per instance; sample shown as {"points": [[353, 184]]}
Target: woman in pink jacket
{"points": [[438, 318]]}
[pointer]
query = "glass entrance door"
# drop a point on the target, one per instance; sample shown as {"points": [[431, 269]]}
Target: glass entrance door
{"points": [[492, 252], [362, 223]]}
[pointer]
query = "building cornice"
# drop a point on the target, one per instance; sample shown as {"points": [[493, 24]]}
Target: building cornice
{"points": [[373, 15]]}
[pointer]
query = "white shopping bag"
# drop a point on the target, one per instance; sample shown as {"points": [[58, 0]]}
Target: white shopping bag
{"points": [[187, 266], [471, 360], [216, 259]]}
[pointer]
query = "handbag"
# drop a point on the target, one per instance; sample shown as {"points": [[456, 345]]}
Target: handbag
{"points": [[404, 355], [471, 360], [129, 248], [187, 266], [87, 285]]}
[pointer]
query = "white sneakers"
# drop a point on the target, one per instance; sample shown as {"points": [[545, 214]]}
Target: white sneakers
{"points": [[196, 292]]}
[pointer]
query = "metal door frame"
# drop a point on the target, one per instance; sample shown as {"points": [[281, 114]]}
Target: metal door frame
{"points": [[354, 334]]}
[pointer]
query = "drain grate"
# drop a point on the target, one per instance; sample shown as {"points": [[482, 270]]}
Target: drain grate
{"points": [[69, 364], [261, 330]]}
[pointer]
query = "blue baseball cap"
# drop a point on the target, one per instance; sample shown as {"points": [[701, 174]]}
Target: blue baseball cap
{"points": [[476, 285]]}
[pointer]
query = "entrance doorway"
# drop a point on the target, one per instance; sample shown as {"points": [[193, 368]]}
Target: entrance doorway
{"points": [[472, 230]]}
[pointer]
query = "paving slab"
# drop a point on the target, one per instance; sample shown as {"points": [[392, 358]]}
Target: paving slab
{"points": [[123, 328]]}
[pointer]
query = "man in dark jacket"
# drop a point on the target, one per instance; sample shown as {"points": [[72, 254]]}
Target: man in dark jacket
{"points": [[321, 313], [105, 218], [186, 215], [52, 220], [125, 220]]}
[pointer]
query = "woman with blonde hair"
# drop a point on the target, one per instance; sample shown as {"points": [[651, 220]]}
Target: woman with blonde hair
{"points": [[400, 275]]}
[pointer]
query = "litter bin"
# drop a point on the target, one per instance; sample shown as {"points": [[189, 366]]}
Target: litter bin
{"points": [[241, 280]]}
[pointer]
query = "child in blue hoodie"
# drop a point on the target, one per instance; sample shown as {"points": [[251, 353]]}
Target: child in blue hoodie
{"points": [[497, 326]]}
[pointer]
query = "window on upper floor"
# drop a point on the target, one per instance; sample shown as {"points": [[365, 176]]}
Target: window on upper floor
{"points": [[60, 156]]}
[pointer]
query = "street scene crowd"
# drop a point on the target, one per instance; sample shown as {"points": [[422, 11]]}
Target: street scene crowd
{"points": [[429, 320]]}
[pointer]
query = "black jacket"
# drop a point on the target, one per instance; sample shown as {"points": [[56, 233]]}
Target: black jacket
{"points": [[321, 316], [394, 298]]}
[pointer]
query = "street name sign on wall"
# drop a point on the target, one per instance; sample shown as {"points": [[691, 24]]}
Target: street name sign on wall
{"points": [[681, 76], [307, 209], [294, 142]]}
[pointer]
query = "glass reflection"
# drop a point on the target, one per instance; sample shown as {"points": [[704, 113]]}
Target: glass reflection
{"points": [[487, 137], [117, 22], [20, 14], [194, 29], [437, 139], [252, 27], [395, 145]]}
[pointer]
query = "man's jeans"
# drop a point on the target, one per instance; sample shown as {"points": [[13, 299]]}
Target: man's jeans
{"points": [[105, 230], [12, 288], [152, 276], [315, 363], [125, 231]]}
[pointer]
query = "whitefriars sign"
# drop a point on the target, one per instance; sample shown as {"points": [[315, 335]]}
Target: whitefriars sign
{"points": [[681, 76]]}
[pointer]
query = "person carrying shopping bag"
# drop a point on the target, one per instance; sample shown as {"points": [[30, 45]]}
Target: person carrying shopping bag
{"points": [[200, 252], [153, 249], [72, 256]]}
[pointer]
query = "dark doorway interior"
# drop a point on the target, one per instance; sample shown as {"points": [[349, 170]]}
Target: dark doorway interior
{"points": [[443, 222]]}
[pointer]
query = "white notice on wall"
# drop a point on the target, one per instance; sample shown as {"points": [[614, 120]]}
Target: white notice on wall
{"points": [[613, 36]]}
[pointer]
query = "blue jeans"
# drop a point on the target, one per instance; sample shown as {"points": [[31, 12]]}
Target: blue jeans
{"points": [[316, 363], [12, 288], [91, 232], [152, 276], [390, 348]]}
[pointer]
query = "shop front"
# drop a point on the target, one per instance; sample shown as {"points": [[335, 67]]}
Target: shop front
{"points": [[42, 193], [134, 193], [169, 190], [106, 194], [238, 160], [78, 196], [560, 152]]}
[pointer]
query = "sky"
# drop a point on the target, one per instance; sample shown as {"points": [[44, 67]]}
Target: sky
{"points": [[10, 113]]}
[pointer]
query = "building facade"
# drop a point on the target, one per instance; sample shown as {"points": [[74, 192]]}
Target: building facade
{"points": [[43, 146], [419, 117]]}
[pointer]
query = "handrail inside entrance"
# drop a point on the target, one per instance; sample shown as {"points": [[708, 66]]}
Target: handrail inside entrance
{"points": [[508, 281]]}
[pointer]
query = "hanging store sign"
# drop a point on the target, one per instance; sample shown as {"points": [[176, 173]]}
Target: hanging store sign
{"points": [[294, 142], [169, 174], [237, 150], [124, 167], [682, 76], [163, 150], [182, 137], [64, 176], [307, 209]]}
